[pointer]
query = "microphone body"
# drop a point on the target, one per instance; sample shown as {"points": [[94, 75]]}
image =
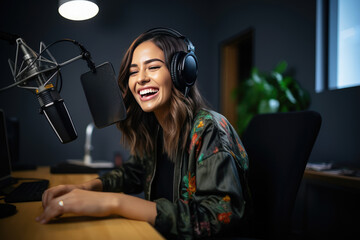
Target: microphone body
{"points": [[37, 76], [55, 111]]}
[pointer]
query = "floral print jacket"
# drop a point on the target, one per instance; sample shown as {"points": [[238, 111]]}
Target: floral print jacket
{"points": [[211, 194]]}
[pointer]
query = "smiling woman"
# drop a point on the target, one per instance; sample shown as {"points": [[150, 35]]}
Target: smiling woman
{"points": [[187, 159]]}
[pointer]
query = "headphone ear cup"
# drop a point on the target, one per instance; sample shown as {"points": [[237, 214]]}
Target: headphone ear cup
{"points": [[174, 71], [189, 69], [184, 68]]}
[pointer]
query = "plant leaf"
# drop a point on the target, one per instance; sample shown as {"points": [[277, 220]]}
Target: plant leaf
{"points": [[268, 106], [281, 67], [267, 93], [290, 96]]}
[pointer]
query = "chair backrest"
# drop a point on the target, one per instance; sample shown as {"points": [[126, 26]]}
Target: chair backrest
{"points": [[278, 146]]}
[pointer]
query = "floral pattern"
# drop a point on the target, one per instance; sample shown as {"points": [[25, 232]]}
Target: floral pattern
{"points": [[201, 124], [200, 160], [216, 150], [224, 208], [190, 186], [203, 227], [224, 217]]}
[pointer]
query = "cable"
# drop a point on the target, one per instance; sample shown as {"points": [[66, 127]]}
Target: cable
{"points": [[61, 81]]}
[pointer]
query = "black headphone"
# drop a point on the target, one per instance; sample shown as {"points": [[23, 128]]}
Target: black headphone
{"points": [[184, 65]]}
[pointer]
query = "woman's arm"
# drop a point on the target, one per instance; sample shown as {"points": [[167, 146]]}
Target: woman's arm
{"points": [[90, 199], [135, 208], [92, 185], [99, 204], [113, 181], [57, 191]]}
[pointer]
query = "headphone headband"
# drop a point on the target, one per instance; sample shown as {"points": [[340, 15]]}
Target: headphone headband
{"points": [[173, 33]]}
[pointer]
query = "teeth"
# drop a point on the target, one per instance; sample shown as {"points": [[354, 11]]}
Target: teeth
{"points": [[147, 91]]}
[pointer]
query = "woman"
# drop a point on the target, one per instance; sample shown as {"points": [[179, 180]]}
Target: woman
{"points": [[188, 160]]}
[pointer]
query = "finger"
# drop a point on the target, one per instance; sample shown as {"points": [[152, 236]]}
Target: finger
{"points": [[54, 209], [45, 198], [54, 192], [48, 196]]}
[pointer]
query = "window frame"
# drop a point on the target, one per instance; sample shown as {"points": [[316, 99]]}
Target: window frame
{"points": [[326, 69]]}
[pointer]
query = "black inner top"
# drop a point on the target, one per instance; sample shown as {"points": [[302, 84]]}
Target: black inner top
{"points": [[162, 186]]}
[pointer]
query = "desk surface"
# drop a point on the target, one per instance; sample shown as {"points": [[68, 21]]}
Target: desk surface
{"points": [[340, 180], [22, 225]]}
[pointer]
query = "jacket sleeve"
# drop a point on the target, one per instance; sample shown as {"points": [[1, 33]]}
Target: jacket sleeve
{"points": [[212, 201], [128, 179]]}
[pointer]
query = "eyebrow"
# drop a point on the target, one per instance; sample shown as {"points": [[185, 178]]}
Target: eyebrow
{"points": [[148, 61]]}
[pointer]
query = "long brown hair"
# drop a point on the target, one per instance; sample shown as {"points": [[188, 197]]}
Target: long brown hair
{"points": [[140, 128]]}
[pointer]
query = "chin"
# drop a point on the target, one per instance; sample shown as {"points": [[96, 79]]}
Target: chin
{"points": [[147, 108]]}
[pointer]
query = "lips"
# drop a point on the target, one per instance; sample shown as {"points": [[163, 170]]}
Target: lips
{"points": [[148, 93]]}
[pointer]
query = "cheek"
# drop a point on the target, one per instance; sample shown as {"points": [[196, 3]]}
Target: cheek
{"points": [[168, 90], [167, 82], [131, 86]]}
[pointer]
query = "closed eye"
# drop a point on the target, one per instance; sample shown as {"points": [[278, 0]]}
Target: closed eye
{"points": [[132, 73], [154, 67]]}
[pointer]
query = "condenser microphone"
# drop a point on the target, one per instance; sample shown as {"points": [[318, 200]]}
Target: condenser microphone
{"points": [[55, 111], [36, 76], [100, 86]]}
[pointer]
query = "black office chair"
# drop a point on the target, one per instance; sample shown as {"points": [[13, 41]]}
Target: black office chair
{"points": [[278, 146]]}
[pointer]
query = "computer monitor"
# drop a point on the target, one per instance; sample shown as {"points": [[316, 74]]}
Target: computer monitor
{"points": [[13, 138], [5, 165]]}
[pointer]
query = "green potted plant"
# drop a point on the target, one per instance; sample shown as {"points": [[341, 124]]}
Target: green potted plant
{"points": [[268, 93]]}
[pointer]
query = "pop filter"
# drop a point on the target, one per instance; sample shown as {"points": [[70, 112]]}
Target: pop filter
{"points": [[103, 95]]}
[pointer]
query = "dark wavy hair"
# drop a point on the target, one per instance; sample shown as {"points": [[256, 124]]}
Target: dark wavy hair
{"points": [[140, 128]]}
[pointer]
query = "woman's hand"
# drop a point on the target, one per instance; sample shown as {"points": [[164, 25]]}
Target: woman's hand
{"points": [[85, 200], [71, 199], [57, 191], [54, 192]]}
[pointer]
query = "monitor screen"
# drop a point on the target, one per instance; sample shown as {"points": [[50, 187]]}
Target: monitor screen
{"points": [[5, 167]]}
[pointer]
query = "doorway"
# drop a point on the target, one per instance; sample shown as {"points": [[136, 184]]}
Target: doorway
{"points": [[236, 62]]}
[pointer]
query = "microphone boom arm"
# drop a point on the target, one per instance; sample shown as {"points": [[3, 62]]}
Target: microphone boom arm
{"points": [[22, 75]]}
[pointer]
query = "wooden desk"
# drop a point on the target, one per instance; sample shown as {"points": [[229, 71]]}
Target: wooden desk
{"points": [[328, 178], [328, 206], [22, 225]]}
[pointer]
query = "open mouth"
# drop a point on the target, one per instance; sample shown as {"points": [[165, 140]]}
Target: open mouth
{"points": [[145, 93]]}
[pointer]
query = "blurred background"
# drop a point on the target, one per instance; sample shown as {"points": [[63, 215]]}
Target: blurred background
{"points": [[263, 33]]}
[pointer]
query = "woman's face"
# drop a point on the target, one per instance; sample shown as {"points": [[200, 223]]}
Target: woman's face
{"points": [[150, 80]]}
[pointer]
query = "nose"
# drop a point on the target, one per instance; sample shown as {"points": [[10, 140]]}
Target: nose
{"points": [[142, 77]]}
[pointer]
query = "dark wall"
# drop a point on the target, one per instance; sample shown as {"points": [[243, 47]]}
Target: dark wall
{"points": [[284, 30]]}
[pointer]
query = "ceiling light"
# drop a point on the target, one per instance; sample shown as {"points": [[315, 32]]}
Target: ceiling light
{"points": [[78, 10]]}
